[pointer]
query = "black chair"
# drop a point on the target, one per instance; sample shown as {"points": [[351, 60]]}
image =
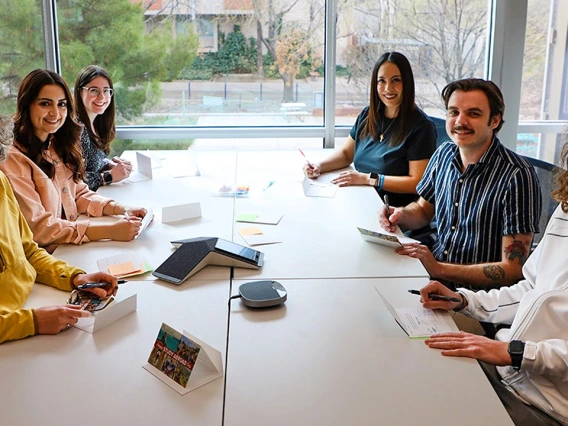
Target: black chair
{"points": [[546, 174], [441, 134]]}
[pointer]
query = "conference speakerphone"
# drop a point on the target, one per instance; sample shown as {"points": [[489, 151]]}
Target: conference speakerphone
{"points": [[194, 254]]}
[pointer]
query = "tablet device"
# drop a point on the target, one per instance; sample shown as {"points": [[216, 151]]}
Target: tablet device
{"points": [[379, 238]]}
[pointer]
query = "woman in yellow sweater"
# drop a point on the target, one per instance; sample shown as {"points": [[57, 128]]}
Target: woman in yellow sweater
{"points": [[22, 263]]}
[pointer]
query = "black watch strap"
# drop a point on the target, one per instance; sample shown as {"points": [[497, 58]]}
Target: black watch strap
{"points": [[516, 350]]}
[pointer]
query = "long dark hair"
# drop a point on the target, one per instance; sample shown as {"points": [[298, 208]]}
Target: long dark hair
{"points": [[103, 123], [377, 107], [65, 140]]}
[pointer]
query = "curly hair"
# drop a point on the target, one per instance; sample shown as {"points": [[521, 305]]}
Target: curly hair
{"points": [[103, 123], [560, 194], [66, 140], [6, 136]]}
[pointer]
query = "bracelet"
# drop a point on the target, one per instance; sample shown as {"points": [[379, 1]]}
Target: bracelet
{"points": [[381, 181], [463, 303]]}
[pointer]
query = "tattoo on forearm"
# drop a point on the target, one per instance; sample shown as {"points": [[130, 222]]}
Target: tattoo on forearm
{"points": [[517, 250], [495, 272]]}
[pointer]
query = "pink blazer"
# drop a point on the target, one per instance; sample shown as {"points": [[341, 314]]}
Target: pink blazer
{"points": [[51, 206]]}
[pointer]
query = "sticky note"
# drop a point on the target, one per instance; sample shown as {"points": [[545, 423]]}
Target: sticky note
{"points": [[250, 231], [119, 269], [247, 217]]}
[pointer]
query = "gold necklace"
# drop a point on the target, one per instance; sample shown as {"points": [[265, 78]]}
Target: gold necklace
{"points": [[382, 136]]}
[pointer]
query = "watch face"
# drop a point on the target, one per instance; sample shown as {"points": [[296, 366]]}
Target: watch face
{"points": [[374, 175], [107, 177], [516, 347]]}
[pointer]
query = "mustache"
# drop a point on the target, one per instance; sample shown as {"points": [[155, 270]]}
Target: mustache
{"points": [[458, 128]]}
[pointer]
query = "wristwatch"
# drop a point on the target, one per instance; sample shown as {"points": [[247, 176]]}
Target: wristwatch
{"points": [[107, 178], [516, 350], [374, 179]]}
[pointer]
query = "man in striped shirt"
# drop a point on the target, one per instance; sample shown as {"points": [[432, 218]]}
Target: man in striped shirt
{"points": [[486, 198]]}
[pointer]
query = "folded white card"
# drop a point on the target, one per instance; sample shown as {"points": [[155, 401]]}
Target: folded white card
{"points": [[207, 367], [313, 189], [143, 169], [146, 221], [120, 307], [181, 212]]}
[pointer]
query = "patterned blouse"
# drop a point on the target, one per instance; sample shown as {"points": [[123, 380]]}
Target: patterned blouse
{"points": [[95, 161]]}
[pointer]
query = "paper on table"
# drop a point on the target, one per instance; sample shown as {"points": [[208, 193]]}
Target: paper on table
{"points": [[266, 218], [121, 269], [250, 231], [312, 189], [418, 322], [255, 237], [106, 264]]}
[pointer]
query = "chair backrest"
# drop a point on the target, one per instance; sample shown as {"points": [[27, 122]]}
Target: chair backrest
{"points": [[545, 172], [442, 135]]}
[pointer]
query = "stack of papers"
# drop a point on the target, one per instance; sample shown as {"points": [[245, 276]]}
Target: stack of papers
{"points": [[124, 265], [256, 237]]}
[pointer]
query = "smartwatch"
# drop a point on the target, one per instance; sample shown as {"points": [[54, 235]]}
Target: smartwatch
{"points": [[374, 179], [516, 350], [107, 178]]}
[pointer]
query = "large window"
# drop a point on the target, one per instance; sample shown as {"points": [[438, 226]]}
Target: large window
{"points": [[224, 70], [197, 63], [543, 91], [21, 47], [444, 41]]}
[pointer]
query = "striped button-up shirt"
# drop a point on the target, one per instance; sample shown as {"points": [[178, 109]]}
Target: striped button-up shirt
{"points": [[497, 196]]}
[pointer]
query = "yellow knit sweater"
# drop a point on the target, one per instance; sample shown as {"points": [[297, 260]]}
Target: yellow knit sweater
{"points": [[22, 263]]}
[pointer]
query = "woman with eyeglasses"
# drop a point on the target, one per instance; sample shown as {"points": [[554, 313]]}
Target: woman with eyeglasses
{"points": [[392, 139], [22, 263], [45, 168], [94, 102]]}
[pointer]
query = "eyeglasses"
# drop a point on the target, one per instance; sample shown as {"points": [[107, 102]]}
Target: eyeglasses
{"points": [[95, 91], [89, 301]]}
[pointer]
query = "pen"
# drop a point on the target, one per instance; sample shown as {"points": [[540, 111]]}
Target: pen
{"points": [[436, 296], [269, 185], [387, 206], [310, 165], [97, 285]]}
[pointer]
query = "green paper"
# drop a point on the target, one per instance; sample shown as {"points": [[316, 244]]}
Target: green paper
{"points": [[247, 217]]}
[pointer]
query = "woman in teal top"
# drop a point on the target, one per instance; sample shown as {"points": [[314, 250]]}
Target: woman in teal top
{"points": [[392, 139]]}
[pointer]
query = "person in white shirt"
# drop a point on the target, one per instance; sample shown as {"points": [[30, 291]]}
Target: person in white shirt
{"points": [[528, 363]]}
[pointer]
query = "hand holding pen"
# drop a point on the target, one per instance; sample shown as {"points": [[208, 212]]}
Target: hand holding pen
{"points": [[435, 295], [311, 170]]}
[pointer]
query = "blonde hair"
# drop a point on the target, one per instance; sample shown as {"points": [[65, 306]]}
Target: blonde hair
{"points": [[6, 136]]}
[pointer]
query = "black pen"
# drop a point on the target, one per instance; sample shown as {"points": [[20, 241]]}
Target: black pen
{"points": [[436, 296], [97, 285], [388, 208]]}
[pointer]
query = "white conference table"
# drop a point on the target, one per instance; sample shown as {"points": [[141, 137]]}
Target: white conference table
{"points": [[77, 378], [319, 235], [161, 191], [333, 355]]}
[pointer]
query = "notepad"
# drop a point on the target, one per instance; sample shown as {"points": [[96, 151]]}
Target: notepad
{"points": [[256, 237], [143, 169], [266, 218], [124, 265], [385, 238], [418, 322]]}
